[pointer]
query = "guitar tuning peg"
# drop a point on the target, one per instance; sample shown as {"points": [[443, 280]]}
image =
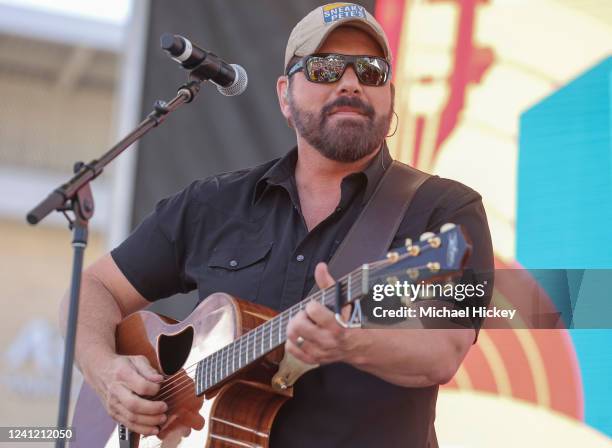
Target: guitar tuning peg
{"points": [[408, 242], [446, 227], [392, 256], [425, 236], [433, 266], [392, 280], [412, 273]]}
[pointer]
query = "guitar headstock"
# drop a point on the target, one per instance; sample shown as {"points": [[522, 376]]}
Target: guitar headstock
{"points": [[433, 256]]}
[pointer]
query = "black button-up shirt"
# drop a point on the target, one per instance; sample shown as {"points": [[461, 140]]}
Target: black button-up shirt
{"points": [[243, 233]]}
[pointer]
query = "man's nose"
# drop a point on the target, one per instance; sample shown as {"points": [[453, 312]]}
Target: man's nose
{"points": [[349, 83]]}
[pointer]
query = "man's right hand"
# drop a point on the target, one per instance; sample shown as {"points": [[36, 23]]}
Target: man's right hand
{"points": [[122, 384]]}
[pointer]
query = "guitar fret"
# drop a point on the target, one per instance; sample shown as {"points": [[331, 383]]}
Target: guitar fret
{"points": [[245, 349], [215, 368], [197, 377], [239, 345], [212, 368], [203, 376], [254, 354], [209, 369], [223, 362], [227, 360], [220, 366], [254, 342], [216, 355], [241, 350]]}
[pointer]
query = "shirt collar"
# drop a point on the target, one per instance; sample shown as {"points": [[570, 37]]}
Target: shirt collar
{"points": [[375, 170], [281, 172]]}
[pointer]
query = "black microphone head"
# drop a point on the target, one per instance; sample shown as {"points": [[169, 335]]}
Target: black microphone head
{"points": [[172, 43]]}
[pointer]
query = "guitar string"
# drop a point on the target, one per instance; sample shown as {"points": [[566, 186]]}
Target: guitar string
{"points": [[356, 277], [259, 334], [218, 369], [252, 342], [287, 311]]}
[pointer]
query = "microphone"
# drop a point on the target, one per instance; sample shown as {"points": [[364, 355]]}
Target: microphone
{"points": [[230, 79]]}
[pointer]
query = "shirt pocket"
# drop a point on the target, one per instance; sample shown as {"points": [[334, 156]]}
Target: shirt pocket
{"points": [[236, 270]]}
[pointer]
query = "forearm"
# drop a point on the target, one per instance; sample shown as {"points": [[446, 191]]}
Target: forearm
{"points": [[98, 316], [410, 357]]}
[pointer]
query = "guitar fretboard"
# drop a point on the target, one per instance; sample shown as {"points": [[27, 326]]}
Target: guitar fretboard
{"points": [[251, 346]]}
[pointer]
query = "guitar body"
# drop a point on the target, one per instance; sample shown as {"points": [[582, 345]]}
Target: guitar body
{"points": [[238, 412]]}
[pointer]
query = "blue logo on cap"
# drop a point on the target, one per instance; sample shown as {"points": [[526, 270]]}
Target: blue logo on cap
{"points": [[341, 11]]}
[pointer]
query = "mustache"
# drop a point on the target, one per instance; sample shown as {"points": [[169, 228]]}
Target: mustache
{"points": [[349, 101]]}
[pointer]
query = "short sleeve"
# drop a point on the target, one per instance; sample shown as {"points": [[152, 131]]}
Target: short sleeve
{"points": [[152, 258], [463, 206]]}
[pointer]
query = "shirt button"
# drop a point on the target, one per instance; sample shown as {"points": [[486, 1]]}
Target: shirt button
{"points": [[300, 257], [233, 263]]}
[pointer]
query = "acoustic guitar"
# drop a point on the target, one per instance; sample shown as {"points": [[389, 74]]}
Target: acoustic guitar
{"points": [[225, 371]]}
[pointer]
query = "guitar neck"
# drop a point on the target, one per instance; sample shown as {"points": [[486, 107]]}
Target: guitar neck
{"points": [[254, 344]]}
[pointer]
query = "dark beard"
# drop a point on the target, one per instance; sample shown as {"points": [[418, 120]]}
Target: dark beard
{"points": [[348, 141]]}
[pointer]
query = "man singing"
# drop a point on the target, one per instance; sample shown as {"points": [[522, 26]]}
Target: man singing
{"points": [[265, 234]]}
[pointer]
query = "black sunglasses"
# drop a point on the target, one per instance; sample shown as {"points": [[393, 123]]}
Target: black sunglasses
{"points": [[329, 67]]}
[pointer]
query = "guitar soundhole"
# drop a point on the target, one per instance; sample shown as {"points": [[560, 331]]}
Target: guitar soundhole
{"points": [[173, 350]]}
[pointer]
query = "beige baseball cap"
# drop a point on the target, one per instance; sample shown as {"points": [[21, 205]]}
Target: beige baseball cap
{"points": [[310, 32]]}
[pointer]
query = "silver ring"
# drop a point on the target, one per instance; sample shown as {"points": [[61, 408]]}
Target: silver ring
{"points": [[300, 341]]}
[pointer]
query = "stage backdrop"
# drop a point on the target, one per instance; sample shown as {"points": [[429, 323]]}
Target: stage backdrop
{"points": [[215, 133], [476, 80]]}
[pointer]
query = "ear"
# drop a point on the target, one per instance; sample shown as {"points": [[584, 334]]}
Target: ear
{"points": [[282, 91]]}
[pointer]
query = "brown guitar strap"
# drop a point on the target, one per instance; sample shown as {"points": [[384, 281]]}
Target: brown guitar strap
{"points": [[371, 235]]}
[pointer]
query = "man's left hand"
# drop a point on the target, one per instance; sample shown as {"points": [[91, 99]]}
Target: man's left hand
{"points": [[314, 336]]}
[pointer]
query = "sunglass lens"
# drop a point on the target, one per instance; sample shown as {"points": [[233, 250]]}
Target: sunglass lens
{"points": [[325, 69], [372, 71]]}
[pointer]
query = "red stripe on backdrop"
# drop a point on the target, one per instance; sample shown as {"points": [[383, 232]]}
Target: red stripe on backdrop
{"points": [[478, 369], [390, 15], [512, 353]]}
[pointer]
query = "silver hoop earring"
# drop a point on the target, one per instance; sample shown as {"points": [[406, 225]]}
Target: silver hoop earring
{"points": [[396, 125]]}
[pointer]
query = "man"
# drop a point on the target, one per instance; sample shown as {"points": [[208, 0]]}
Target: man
{"points": [[265, 233]]}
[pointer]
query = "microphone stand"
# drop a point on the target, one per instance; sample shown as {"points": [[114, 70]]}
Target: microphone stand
{"points": [[75, 196]]}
